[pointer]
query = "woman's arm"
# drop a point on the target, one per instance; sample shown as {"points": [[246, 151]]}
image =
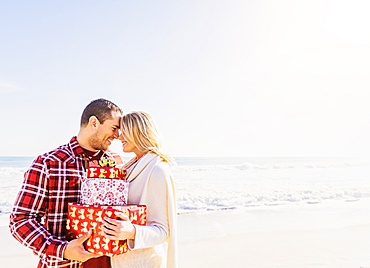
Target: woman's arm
{"points": [[156, 196]]}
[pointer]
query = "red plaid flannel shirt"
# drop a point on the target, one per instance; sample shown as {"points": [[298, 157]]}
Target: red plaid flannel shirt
{"points": [[38, 219]]}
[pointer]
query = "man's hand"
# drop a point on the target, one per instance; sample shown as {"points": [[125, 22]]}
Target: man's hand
{"points": [[75, 249]]}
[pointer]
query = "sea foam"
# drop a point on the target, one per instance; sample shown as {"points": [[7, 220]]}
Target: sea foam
{"points": [[206, 184]]}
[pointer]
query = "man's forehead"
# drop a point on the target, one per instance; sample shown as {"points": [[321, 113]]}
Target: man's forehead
{"points": [[116, 119], [116, 114]]}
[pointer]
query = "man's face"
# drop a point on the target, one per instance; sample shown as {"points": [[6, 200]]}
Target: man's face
{"points": [[106, 133]]}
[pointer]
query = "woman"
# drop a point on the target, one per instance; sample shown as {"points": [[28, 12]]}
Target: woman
{"points": [[151, 184]]}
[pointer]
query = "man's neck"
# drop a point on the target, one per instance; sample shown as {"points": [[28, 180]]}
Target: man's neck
{"points": [[93, 155]]}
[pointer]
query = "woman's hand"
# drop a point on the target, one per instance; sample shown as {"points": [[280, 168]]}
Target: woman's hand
{"points": [[119, 229]]}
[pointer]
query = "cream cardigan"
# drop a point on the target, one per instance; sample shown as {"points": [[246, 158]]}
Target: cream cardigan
{"points": [[155, 244]]}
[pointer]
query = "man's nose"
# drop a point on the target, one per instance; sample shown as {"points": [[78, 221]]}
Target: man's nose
{"points": [[116, 133]]}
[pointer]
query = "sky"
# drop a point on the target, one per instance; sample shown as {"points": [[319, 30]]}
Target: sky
{"points": [[249, 78]]}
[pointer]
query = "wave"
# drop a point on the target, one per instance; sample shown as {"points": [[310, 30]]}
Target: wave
{"points": [[188, 204], [197, 202], [279, 165], [229, 185]]}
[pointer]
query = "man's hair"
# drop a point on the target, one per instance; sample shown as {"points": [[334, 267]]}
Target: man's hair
{"points": [[101, 108]]}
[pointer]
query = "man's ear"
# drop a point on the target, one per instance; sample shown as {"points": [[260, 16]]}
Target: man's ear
{"points": [[93, 121]]}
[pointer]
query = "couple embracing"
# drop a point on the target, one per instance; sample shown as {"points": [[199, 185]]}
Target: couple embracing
{"points": [[54, 179]]}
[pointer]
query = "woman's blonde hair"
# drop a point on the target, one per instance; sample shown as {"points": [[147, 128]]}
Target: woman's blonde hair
{"points": [[140, 130]]}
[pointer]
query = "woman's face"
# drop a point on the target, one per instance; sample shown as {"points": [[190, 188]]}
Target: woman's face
{"points": [[129, 147]]}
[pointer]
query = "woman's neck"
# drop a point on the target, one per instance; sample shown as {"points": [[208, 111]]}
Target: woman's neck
{"points": [[139, 154]]}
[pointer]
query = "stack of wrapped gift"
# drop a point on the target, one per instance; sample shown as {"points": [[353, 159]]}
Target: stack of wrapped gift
{"points": [[103, 193]]}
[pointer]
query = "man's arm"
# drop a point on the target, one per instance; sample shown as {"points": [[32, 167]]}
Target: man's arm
{"points": [[29, 209]]}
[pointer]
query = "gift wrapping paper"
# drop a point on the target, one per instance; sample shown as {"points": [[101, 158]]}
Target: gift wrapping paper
{"points": [[82, 218], [104, 191], [106, 172]]}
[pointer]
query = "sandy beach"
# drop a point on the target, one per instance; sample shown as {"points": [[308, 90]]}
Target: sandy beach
{"points": [[293, 236]]}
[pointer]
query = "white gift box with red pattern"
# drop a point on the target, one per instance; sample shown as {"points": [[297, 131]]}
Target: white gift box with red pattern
{"points": [[104, 186]]}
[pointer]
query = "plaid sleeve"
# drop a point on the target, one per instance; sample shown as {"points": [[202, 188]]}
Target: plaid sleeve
{"points": [[28, 213]]}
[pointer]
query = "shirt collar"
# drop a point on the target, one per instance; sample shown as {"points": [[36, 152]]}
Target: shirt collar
{"points": [[75, 146]]}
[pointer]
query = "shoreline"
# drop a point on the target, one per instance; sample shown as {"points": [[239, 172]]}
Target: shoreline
{"points": [[325, 235]]}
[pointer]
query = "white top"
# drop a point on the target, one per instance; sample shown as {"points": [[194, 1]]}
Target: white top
{"points": [[155, 244]]}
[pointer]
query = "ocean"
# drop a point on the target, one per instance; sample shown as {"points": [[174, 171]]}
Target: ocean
{"points": [[211, 184]]}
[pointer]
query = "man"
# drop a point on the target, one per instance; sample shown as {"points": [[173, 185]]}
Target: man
{"points": [[38, 218]]}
